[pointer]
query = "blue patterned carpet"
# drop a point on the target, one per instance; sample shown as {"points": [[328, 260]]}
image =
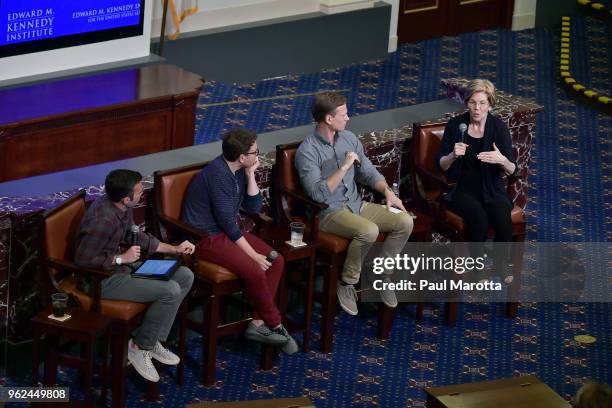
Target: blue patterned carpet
{"points": [[569, 201]]}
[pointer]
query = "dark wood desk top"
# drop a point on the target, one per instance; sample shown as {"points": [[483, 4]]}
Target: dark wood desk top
{"points": [[519, 392], [58, 98]]}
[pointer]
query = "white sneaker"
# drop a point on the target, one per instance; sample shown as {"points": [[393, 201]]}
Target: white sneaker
{"points": [[141, 360], [163, 355], [347, 298], [387, 295]]}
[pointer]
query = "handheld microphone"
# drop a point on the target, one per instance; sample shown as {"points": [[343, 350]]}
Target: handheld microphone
{"points": [[356, 163], [462, 129], [134, 234], [272, 256]]}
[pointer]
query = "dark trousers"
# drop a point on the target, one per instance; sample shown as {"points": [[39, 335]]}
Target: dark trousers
{"points": [[260, 285], [477, 217]]}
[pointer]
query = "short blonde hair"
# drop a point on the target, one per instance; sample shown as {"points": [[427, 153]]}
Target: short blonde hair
{"points": [[481, 85], [593, 395]]}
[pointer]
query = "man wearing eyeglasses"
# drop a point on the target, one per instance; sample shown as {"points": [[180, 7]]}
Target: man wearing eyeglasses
{"points": [[211, 205], [329, 161]]}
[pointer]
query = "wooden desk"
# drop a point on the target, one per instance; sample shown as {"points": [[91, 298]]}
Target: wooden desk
{"points": [[519, 392], [93, 119], [300, 402]]}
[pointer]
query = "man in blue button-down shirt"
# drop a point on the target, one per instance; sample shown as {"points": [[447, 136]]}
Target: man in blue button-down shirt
{"points": [[329, 161]]}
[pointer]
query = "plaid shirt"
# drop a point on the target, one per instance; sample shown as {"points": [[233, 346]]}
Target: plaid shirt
{"points": [[105, 233]]}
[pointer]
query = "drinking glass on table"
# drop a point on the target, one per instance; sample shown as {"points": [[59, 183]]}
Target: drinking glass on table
{"points": [[59, 302], [297, 233]]}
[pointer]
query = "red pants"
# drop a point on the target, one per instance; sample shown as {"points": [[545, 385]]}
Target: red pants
{"points": [[260, 285]]}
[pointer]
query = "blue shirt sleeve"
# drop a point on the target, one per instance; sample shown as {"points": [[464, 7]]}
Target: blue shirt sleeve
{"points": [[251, 204], [223, 208], [311, 179]]}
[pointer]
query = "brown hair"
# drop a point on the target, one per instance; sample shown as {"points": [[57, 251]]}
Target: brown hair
{"points": [[593, 395], [481, 85], [236, 142], [326, 103]]}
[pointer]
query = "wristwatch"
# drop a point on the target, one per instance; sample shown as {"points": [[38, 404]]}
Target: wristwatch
{"points": [[118, 260]]}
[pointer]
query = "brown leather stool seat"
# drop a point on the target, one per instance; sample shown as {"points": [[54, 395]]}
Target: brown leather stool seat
{"points": [[116, 309]]}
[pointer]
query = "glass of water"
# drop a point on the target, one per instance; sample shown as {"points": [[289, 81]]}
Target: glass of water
{"points": [[297, 233]]}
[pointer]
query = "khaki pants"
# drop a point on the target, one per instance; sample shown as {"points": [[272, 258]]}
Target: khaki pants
{"points": [[362, 229]]}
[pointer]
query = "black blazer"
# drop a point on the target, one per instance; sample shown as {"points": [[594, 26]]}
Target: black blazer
{"points": [[496, 131]]}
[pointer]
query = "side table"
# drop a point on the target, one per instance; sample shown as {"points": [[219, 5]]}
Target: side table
{"points": [[84, 327], [276, 237]]}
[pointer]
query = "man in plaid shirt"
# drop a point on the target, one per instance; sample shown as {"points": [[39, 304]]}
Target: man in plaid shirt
{"points": [[105, 241]]}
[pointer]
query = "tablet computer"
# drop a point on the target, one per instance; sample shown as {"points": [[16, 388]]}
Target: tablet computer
{"points": [[157, 269]]}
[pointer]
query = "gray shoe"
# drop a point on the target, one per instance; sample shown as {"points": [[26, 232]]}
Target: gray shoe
{"points": [[264, 334], [163, 355], [388, 296], [347, 297], [141, 360], [290, 347]]}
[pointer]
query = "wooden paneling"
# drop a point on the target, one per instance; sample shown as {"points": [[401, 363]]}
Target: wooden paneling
{"points": [[424, 19], [79, 145], [475, 15], [94, 119], [421, 19]]}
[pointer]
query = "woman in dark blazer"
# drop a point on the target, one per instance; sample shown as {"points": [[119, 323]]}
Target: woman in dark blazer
{"points": [[476, 151]]}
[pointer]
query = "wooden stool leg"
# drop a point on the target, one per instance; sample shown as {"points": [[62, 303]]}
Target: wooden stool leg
{"points": [[329, 307], [35, 356], [309, 301], [104, 369], [152, 394], [385, 321], [51, 362], [119, 363], [451, 313], [419, 312], [517, 269], [267, 357], [512, 309], [180, 369], [88, 369], [209, 340]]}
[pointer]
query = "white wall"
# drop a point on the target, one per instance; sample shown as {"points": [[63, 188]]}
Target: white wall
{"points": [[524, 14], [81, 56], [393, 25], [223, 13]]}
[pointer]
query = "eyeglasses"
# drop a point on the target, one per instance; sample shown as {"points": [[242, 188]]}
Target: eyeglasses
{"points": [[481, 104], [256, 152]]}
